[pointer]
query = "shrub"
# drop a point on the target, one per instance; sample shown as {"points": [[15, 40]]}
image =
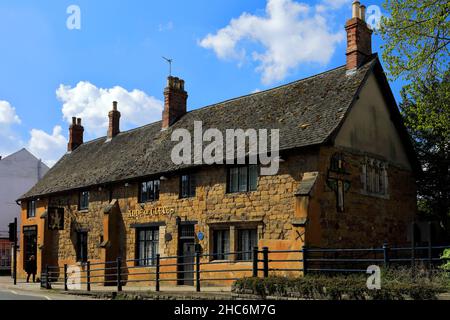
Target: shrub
{"points": [[395, 286], [446, 256]]}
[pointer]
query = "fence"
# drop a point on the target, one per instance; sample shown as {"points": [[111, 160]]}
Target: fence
{"points": [[199, 269]]}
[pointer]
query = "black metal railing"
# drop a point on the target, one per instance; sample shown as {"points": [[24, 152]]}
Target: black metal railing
{"points": [[202, 269]]}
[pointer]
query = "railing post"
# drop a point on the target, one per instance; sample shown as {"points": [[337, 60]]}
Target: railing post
{"points": [[305, 260], [158, 262], [255, 262], [88, 275], [386, 254], [266, 262], [413, 249], [430, 251], [119, 274], [197, 271], [65, 277], [47, 277]]}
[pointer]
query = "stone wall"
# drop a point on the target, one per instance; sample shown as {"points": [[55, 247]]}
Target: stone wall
{"points": [[367, 220]]}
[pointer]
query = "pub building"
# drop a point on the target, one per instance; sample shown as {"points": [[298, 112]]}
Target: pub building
{"points": [[346, 177]]}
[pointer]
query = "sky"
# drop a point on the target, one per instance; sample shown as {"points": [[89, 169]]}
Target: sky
{"points": [[60, 59]]}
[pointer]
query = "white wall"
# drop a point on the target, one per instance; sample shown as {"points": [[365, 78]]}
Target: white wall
{"points": [[18, 173]]}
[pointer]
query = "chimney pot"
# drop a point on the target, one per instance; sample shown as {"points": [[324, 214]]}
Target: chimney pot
{"points": [[363, 12], [356, 13], [115, 105], [74, 120], [79, 121]]}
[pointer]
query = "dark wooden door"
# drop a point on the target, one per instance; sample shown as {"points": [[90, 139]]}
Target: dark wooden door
{"points": [[30, 242], [186, 263]]}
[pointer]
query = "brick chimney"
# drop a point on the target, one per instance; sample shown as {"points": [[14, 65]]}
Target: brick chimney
{"points": [[175, 99], [114, 121], [359, 37], [75, 134]]}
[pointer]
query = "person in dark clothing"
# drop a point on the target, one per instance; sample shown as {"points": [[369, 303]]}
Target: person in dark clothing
{"points": [[31, 268]]}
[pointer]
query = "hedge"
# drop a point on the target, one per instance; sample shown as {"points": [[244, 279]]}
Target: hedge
{"points": [[350, 287]]}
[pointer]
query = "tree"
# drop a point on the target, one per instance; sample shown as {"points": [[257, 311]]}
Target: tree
{"points": [[416, 48], [417, 38], [426, 112]]}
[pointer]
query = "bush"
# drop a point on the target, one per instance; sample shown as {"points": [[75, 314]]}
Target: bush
{"points": [[446, 256], [395, 286]]}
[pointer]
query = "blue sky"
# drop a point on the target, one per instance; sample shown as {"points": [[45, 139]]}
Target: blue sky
{"points": [[222, 49]]}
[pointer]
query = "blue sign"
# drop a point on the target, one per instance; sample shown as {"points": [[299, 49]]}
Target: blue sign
{"points": [[200, 235]]}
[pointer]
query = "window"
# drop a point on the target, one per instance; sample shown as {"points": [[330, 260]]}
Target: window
{"points": [[221, 248], [31, 209], [82, 246], [83, 203], [374, 177], [247, 240], [147, 244], [149, 191], [243, 178], [187, 186]]}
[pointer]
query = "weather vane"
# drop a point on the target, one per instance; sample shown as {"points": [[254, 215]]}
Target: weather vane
{"points": [[169, 61]]}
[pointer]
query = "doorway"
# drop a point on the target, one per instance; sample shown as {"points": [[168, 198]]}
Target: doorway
{"points": [[186, 259], [29, 243]]}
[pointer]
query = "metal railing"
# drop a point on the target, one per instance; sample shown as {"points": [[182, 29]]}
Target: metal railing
{"points": [[201, 268]]}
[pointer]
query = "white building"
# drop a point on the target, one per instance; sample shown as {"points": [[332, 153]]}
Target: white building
{"points": [[18, 173]]}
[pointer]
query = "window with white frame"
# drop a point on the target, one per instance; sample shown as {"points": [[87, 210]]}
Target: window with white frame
{"points": [[374, 176]]}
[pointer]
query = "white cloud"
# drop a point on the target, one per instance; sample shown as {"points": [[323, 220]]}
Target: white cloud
{"points": [[48, 147], [291, 33], [166, 26], [92, 104], [8, 113]]}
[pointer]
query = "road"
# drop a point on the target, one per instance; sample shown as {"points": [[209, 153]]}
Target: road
{"points": [[32, 291], [6, 294]]}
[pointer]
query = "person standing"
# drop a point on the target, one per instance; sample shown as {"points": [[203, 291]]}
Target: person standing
{"points": [[31, 268]]}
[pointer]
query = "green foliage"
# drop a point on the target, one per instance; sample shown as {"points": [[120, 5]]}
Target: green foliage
{"points": [[417, 38], [396, 285], [426, 112], [446, 257]]}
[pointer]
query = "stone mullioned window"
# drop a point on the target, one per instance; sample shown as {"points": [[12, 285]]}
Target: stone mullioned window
{"points": [[374, 177]]}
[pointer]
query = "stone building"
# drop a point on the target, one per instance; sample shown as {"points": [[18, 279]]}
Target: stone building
{"points": [[345, 178]]}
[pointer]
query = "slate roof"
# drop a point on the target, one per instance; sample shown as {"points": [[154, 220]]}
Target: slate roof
{"points": [[306, 111]]}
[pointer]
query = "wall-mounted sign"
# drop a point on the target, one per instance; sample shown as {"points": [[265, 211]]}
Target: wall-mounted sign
{"points": [[55, 218], [200, 236], [151, 212]]}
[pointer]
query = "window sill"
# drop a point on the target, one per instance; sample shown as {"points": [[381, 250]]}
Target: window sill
{"points": [[375, 195], [238, 193], [83, 210], [148, 202]]}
